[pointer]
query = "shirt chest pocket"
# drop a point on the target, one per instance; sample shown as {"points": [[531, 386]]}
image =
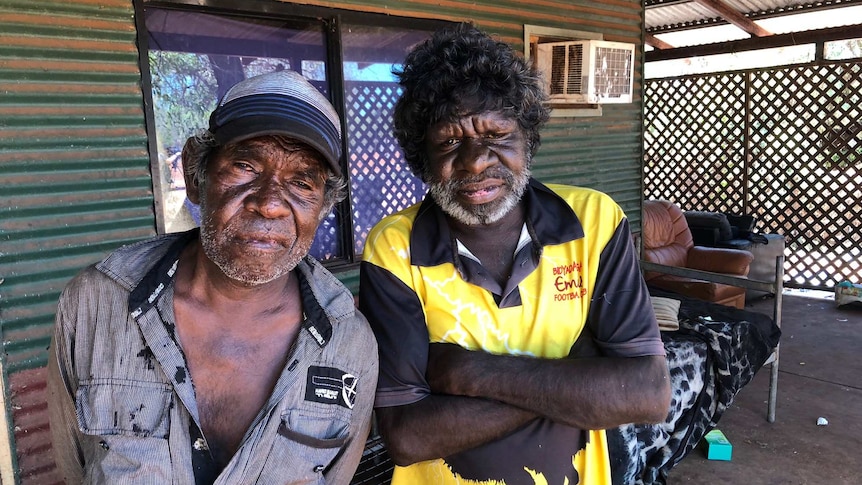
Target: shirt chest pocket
{"points": [[127, 425], [307, 444]]}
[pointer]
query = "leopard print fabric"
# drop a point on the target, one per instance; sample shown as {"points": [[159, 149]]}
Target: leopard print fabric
{"points": [[709, 363]]}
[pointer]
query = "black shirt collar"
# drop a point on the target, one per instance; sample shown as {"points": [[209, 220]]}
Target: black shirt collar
{"points": [[550, 221], [151, 287]]}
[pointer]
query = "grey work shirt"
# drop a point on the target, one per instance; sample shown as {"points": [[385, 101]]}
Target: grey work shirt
{"points": [[122, 403]]}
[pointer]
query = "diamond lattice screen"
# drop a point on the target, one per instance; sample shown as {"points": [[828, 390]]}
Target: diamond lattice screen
{"points": [[380, 180], [783, 144], [694, 142]]}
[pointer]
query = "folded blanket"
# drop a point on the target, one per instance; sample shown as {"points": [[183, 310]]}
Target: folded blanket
{"points": [[666, 312]]}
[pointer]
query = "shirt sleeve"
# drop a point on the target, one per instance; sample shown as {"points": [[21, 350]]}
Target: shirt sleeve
{"points": [[396, 316], [621, 316], [65, 434]]}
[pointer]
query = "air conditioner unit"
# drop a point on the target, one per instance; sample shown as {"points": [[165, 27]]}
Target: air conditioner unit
{"points": [[587, 71]]}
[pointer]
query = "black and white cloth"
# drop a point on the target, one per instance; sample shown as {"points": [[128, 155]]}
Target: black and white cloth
{"points": [[716, 352]]}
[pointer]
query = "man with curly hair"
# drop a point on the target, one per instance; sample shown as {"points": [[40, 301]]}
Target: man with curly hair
{"points": [[513, 322], [224, 354]]}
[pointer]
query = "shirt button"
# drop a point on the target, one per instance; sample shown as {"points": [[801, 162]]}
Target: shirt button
{"points": [[318, 469]]}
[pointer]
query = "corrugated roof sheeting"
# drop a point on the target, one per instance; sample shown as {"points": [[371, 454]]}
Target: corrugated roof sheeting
{"points": [[74, 179], [73, 159], [32, 435], [617, 19], [598, 152], [677, 13], [667, 15]]}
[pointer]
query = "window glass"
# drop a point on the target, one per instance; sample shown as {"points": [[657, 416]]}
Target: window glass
{"points": [[380, 180], [194, 57]]}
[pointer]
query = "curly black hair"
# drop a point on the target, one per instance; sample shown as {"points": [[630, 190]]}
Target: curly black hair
{"points": [[461, 70]]}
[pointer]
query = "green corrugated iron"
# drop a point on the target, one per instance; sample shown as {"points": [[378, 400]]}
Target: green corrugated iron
{"points": [[74, 168]]}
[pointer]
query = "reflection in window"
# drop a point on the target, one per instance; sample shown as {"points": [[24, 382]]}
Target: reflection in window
{"points": [[194, 58], [380, 181]]}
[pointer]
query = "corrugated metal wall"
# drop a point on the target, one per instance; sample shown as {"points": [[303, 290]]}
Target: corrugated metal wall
{"points": [[74, 170], [74, 178]]}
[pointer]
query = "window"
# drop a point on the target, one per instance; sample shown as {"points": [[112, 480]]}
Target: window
{"points": [[194, 54], [380, 181]]}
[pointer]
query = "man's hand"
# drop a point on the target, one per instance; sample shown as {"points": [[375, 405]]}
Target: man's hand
{"points": [[435, 426], [491, 395]]}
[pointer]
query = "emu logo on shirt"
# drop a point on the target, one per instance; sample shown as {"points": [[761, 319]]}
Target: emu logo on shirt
{"points": [[569, 282], [329, 385]]}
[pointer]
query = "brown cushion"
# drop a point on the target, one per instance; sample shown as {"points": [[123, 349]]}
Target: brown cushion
{"points": [[664, 224], [703, 290], [666, 237]]}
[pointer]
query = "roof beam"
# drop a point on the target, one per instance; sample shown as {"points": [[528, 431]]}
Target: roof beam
{"points": [[656, 42], [734, 17], [778, 40], [662, 3]]}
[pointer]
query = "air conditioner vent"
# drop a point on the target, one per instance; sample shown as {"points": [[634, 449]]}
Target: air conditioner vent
{"points": [[589, 72]]}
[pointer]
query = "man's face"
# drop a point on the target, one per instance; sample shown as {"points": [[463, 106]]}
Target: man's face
{"points": [[260, 207], [478, 166]]}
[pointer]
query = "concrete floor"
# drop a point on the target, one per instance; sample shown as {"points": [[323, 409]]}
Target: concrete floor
{"points": [[820, 375]]}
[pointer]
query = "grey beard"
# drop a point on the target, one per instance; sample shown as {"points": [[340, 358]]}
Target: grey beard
{"points": [[213, 244], [243, 274], [445, 195]]}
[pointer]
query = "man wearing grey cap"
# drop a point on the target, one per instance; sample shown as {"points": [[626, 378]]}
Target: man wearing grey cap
{"points": [[223, 355]]}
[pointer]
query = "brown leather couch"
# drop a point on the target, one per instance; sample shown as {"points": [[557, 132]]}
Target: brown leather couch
{"points": [[667, 240]]}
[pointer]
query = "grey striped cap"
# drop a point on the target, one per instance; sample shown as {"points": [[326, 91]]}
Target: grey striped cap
{"points": [[279, 103]]}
